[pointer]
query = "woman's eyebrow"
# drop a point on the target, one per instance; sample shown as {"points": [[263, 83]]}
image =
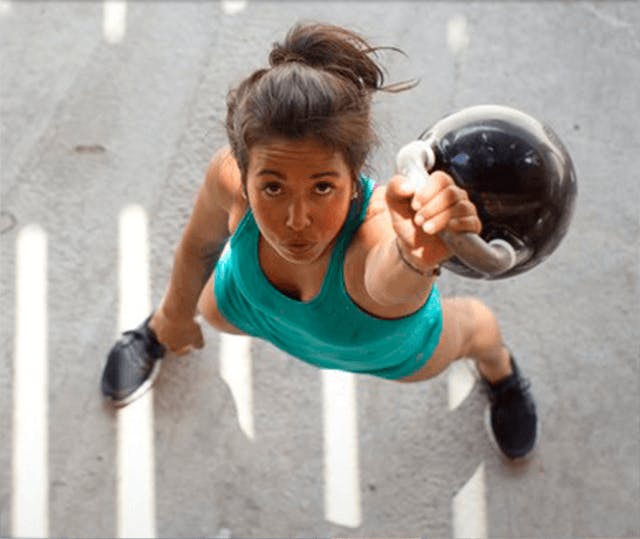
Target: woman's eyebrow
{"points": [[270, 172], [318, 175]]}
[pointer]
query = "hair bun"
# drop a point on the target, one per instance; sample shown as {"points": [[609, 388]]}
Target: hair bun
{"points": [[281, 55], [337, 50], [329, 48]]}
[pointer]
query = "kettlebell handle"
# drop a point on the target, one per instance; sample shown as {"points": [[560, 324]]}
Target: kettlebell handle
{"points": [[414, 161]]}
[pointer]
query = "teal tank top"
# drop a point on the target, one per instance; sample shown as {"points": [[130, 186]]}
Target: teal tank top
{"points": [[330, 331]]}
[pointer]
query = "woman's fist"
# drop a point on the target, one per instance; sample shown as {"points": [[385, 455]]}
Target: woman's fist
{"points": [[418, 215], [177, 336]]}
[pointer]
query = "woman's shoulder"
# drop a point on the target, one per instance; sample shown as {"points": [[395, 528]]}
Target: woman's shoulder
{"points": [[224, 185], [376, 225], [377, 203], [377, 221], [223, 178]]}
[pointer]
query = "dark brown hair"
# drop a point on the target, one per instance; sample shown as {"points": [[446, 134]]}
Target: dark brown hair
{"points": [[319, 85]]}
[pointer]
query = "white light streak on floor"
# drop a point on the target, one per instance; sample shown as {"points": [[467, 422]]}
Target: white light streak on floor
{"points": [[233, 7], [469, 508], [114, 20], [136, 457], [30, 493], [341, 457], [5, 7], [469, 512], [457, 34], [236, 371], [460, 382]]}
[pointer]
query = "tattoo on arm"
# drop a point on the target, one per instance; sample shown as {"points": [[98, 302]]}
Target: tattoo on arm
{"points": [[210, 255]]}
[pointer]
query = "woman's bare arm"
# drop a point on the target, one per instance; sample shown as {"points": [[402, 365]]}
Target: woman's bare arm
{"points": [[200, 246], [402, 259], [388, 279]]}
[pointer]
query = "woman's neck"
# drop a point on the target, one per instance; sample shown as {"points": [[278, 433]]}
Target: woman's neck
{"points": [[302, 282]]}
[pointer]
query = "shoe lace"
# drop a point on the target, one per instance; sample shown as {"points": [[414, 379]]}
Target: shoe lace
{"points": [[517, 390], [514, 384], [151, 345]]}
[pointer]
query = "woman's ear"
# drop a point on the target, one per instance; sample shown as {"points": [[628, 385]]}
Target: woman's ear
{"points": [[358, 189]]}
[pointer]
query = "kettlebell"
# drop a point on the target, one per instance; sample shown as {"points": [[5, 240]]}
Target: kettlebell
{"points": [[518, 174]]}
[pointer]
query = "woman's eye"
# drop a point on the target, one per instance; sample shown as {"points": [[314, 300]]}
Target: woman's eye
{"points": [[272, 189], [323, 188]]}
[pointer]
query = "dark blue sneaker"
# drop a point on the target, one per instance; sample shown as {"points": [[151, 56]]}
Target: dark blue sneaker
{"points": [[132, 365], [510, 418]]}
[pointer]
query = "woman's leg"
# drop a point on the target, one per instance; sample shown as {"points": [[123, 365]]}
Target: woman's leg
{"points": [[471, 330], [208, 308]]}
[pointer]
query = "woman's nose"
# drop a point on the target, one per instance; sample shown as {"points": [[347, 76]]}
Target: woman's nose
{"points": [[298, 217]]}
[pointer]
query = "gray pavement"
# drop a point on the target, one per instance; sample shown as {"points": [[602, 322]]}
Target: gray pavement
{"points": [[99, 115]]}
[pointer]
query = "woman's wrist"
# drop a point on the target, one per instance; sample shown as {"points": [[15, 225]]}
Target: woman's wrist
{"points": [[174, 312], [431, 271]]}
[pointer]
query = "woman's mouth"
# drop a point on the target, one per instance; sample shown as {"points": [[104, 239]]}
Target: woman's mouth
{"points": [[298, 247]]}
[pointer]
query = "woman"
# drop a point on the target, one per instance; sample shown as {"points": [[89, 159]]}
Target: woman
{"points": [[321, 263]]}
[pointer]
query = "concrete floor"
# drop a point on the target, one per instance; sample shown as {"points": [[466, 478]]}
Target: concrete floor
{"points": [[109, 114]]}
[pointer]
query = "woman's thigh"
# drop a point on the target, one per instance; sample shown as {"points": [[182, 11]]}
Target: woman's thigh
{"points": [[457, 327], [208, 307]]}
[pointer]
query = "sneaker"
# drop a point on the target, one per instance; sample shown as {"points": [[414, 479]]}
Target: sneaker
{"points": [[132, 365], [511, 418]]}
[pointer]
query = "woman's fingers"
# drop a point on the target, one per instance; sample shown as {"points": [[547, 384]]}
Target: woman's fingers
{"points": [[437, 205], [446, 211], [186, 338], [198, 341], [465, 224], [399, 189], [442, 204], [437, 182], [454, 219]]}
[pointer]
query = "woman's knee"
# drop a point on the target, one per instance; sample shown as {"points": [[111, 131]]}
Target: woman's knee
{"points": [[463, 318], [476, 324], [469, 314], [208, 308], [468, 307], [205, 304]]}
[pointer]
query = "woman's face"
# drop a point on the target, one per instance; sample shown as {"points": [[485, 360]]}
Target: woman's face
{"points": [[299, 192]]}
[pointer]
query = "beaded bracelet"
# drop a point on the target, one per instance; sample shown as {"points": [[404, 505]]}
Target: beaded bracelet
{"points": [[433, 272]]}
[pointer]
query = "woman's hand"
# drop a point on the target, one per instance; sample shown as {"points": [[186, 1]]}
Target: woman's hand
{"points": [[177, 335], [419, 215]]}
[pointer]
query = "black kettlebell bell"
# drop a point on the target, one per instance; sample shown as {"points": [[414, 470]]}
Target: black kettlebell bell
{"points": [[518, 174]]}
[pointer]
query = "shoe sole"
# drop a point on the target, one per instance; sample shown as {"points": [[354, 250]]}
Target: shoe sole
{"points": [[144, 387], [496, 446]]}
